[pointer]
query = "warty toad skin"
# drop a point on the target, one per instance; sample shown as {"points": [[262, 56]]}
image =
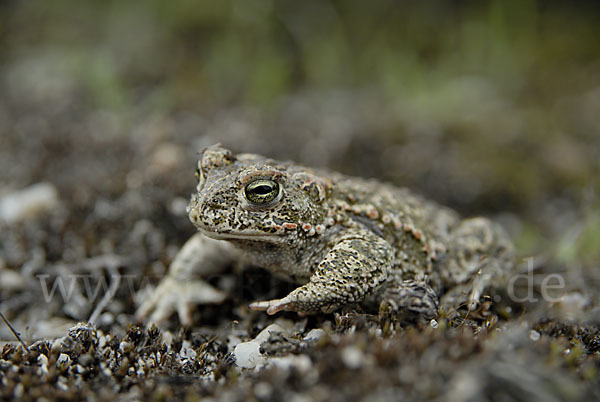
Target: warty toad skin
{"points": [[345, 240]]}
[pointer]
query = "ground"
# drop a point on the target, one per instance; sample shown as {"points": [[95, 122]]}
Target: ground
{"points": [[97, 158]]}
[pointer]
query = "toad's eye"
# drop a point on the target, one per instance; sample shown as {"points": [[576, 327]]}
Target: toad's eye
{"points": [[261, 191]]}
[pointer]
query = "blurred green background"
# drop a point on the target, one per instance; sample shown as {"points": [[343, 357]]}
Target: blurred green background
{"points": [[488, 106]]}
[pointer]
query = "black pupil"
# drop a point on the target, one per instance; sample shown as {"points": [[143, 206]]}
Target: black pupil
{"points": [[263, 189]]}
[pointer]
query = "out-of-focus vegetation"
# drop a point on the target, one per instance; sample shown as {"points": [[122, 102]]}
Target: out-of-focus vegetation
{"points": [[487, 106], [256, 51]]}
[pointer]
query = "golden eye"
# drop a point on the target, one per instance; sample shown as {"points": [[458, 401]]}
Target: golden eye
{"points": [[261, 191]]}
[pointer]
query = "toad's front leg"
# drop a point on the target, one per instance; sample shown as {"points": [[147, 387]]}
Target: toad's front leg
{"points": [[353, 269], [184, 286]]}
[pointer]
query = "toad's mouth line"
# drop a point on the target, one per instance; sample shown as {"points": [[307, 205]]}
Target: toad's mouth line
{"points": [[252, 235]]}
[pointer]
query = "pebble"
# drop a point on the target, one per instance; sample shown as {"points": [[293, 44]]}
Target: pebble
{"points": [[63, 358], [125, 346], [301, 363], [178, 206], [314, 335], [263, 336], [28, 202], [19, 390], [352, 357], [43, 362], [248, 355], [263, 390], [11, 280], [187, 351], [106, 319]]}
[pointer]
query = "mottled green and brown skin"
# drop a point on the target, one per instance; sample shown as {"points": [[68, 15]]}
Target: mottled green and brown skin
{"points": [[345, 239]]}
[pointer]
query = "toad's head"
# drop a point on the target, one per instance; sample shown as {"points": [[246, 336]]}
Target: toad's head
{"points": [[250, 197]]}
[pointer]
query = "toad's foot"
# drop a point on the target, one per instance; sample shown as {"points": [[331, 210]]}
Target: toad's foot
{"points": [[411, 301], [175, 295], [271, 306], [276, 305], [295, 301], [480, 258], [181, 289]]}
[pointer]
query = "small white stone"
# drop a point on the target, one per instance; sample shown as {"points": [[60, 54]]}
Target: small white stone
{"points": [[28, 202], [247, 355], [570, 306], [106, 319], [300, 398], [302, 363], [58, 343], [314, 335], [18, 392], [165, 157], [168, 337], [352, 357], [43, 362], [178, 206], [263, 390], [11, 280], [263, 336], [62, 384], [105, 370], [63, 358], [125, 346], [534, 335], [187, 351]]}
